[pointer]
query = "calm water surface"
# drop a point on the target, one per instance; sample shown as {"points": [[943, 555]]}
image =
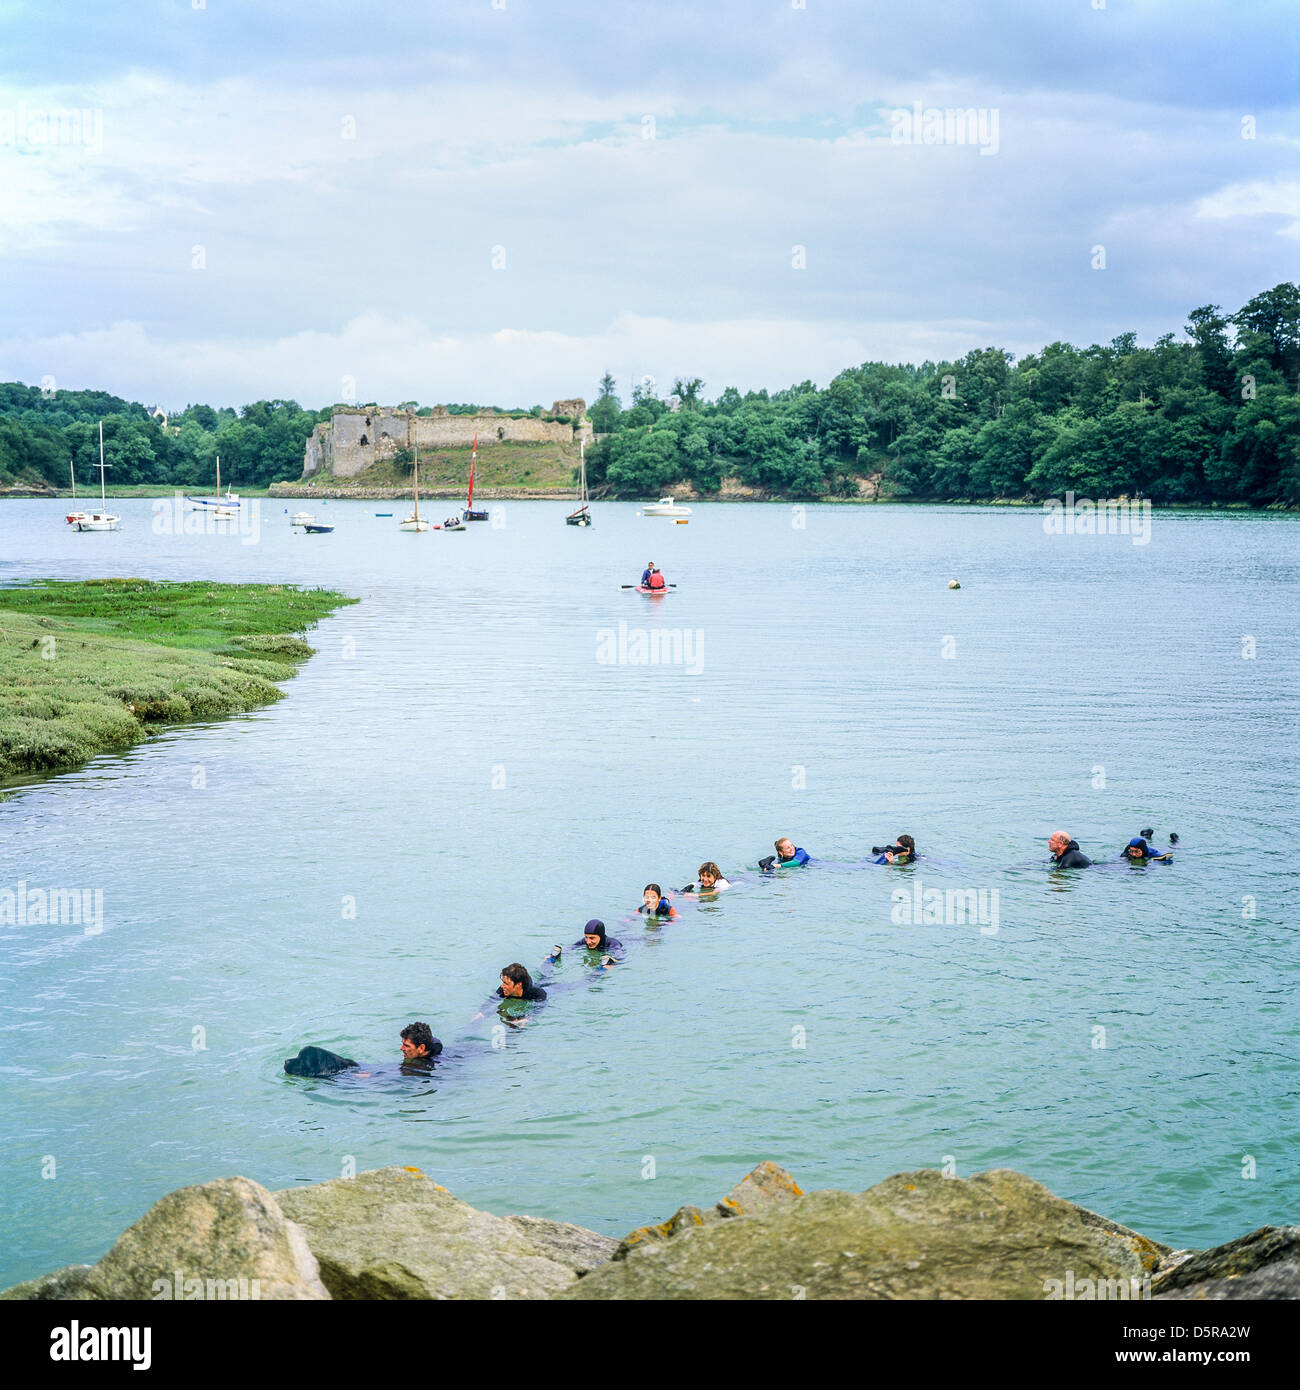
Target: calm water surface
{"points": [[457, 780]]}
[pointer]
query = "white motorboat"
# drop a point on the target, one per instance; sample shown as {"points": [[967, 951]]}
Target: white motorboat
{"points": [[665, 506]]}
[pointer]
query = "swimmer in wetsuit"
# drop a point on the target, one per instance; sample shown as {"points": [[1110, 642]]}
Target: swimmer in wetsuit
{"points": [[711, 881], [904, 852], [654, 904], [594, 938], [786, 854], [1065, 852], [516, 983], [419, 1046], [1138, 851]]}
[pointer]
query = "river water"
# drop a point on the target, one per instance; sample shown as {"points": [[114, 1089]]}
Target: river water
{"points": [[475, 763]]}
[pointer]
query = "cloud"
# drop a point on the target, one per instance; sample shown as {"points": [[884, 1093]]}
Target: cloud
{"points": [[1278, 197], [388, 359], [488, 171]]}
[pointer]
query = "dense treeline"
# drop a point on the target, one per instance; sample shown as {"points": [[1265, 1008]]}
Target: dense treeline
{"points": [[41, 435], [1214, 417], [1211, 417]]}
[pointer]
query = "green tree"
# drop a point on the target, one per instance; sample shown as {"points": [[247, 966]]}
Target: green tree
{"points": [[605, 412]]}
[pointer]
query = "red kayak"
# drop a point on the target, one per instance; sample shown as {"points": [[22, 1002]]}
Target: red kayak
{"points": [[658, 593]]}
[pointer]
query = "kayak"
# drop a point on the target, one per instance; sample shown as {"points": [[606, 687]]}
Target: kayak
{"points": [[658, 593]]}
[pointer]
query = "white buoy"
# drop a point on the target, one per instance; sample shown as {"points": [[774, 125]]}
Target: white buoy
{"points": [[952, 584]]}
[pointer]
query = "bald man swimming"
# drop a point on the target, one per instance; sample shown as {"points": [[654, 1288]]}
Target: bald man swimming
{"points": [[1065, 852]]}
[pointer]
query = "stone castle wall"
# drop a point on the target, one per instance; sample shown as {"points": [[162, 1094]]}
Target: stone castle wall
{"points": [[354, 439]]}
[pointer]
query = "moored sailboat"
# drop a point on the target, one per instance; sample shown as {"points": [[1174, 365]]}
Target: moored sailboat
{"points": [[103, 519], [414, 522], [581, 517], [469, 514], [226, 507]]}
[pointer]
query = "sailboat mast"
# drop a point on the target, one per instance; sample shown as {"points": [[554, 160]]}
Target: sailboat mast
{"points": [[102, 499], [218, 477], [469, 501], [415, 486]]}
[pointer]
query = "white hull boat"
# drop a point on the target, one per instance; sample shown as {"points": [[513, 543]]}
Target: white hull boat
{"points": [[665, 506], [102, 519]]}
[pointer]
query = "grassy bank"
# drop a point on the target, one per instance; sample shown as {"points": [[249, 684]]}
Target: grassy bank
{"points": [[90, 667], [549, 465]]}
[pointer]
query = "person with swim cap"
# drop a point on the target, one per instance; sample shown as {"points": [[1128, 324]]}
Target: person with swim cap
{"points": [[711, 880], [1065, 852], [1138, 851], [594, 938], [904, 852], [786, 854], [654, 904]]}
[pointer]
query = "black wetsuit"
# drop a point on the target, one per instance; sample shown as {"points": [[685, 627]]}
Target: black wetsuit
{"points": [[1071, 857], [317, 1061], [533, 994], [901, 853], [609, 946]]}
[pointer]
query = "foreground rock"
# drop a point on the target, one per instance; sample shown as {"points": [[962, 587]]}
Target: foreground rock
{"points": [[767, 1185], [394, 1233], [227, 1239], [917, 1236], [1264, 1264]]}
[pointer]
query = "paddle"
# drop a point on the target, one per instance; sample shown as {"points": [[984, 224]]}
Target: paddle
{"points": [[637, 586]]}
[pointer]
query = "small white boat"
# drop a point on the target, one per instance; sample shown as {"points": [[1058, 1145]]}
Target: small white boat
{"points": [[101, 519], [98, 521], [665, 506]]}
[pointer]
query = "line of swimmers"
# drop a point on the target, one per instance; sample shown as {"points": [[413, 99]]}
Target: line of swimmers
{"points": [[420, 1047]]}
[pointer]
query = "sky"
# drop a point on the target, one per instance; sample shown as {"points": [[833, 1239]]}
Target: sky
{"points": [[499, 200]]}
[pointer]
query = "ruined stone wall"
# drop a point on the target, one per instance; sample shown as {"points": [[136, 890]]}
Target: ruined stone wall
{"points": [[454, 431], [317, 456], [357, 437]]}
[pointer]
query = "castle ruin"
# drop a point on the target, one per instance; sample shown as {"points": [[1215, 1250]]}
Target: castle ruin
{"points": [[357, 436]]}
